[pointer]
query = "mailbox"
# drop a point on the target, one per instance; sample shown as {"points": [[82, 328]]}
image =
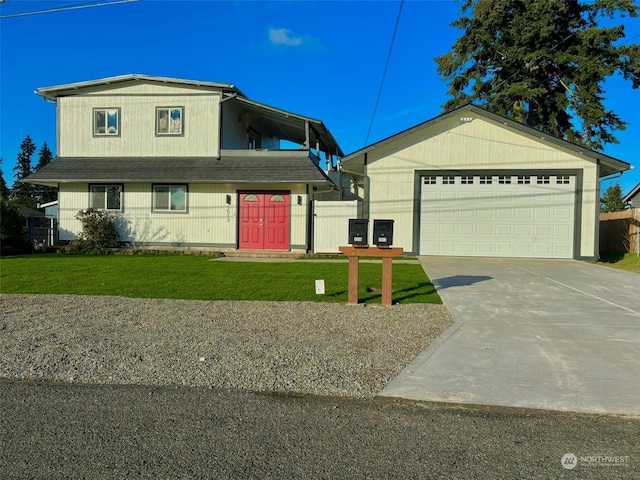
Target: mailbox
{"points": [[383, 233], [358, 229]]}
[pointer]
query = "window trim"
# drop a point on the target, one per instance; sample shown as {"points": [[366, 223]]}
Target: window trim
{"points": [[105, 134], [105, 185], [168, 210], [168, 133]]}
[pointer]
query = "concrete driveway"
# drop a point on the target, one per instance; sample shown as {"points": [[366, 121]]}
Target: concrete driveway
{"points": [[549, 334]]}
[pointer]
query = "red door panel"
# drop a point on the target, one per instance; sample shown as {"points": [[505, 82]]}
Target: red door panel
{"points": [[264, 221], [276, 222], [251, 221]]}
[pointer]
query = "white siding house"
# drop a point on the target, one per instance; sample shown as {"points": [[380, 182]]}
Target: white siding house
{"points": [[471, 183], [186, 164], [633, 197]]}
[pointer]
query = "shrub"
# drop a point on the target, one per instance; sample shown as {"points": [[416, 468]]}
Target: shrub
{"points": [[13, 230], [99, 231]]}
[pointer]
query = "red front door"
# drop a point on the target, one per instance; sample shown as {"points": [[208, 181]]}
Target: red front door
{"points": [[264, 221]]}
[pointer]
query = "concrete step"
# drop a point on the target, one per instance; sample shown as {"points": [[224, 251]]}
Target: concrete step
{"points": [[261, 254]]}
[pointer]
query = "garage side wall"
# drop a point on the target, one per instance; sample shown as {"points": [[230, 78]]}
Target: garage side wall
{"points": [[462, 145]]}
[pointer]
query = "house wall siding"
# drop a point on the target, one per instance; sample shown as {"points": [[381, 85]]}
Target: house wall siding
{"points": [[209, 219], [454, 145], [138, 123]]}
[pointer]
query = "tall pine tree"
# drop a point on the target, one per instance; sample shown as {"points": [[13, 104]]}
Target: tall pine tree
{"points": [[5, 191], [43, 193], [24, 192], [611, 200], [543, 63]]}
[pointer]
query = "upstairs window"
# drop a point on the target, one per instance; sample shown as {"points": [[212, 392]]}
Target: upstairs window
{"points": [[106, 197], [169, 198], [106, 122], [169, 120]]}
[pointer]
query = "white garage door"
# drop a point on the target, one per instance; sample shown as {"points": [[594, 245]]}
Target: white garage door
{"points": [[497, 215]]}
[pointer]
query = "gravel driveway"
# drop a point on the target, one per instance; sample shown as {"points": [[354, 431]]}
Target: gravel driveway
{"points": [[302, 347]]}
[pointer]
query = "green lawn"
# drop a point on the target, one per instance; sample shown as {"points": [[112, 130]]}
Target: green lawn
{"points": [[196, 277], [621, 260]]}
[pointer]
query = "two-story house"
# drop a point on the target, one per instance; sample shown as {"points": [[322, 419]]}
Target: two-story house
{"points": [[186, 164]]}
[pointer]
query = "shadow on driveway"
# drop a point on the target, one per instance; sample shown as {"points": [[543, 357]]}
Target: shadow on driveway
{"points": [[460, 280]]}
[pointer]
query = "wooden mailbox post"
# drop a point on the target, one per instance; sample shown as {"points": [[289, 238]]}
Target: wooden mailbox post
{"points": [[387, 254]]}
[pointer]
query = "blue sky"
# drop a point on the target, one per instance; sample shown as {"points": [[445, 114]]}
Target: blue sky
{"points": [[322, 59]]}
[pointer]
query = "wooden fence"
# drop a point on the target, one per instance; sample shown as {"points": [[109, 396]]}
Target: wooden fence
{"points": [[620, 231]]}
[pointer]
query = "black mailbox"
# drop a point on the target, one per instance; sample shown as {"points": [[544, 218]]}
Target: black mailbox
{"points": [[358, 229], [382, 232]]}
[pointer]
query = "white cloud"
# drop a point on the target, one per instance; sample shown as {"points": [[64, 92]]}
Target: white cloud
{"points": [[284, 36]]}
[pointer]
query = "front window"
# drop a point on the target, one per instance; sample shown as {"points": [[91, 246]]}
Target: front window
{"points": [[106, 121], [169, 120], [106, 197], [170, 198]]}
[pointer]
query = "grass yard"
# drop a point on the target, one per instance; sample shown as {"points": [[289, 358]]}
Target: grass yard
{"points": [[620, 260], [200, 278]]}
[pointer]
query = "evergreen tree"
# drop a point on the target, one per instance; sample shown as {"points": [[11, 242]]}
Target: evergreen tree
{"points": [[43, 193], [24, 192], [5, 191], [543, 63], [611, 201]]}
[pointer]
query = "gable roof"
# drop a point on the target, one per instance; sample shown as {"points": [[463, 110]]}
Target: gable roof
{"points": [[632, 194], [609, 164], [248, 167], [75, 88]]}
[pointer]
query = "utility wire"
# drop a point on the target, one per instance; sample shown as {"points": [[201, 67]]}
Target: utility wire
{"points": [[68, 7], [384, 74]]}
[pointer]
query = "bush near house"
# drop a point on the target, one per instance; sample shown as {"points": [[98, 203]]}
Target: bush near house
{"points": [[13, 233], [99, 232]]}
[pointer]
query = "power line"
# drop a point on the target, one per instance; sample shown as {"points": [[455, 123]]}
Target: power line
{"points": [[384, 74], [66, 8]]}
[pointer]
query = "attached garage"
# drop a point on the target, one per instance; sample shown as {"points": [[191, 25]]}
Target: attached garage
{"points": [[471, 183]]}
